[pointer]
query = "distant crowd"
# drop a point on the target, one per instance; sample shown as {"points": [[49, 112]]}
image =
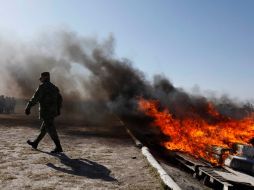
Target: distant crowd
{"points": [[7, 104]]}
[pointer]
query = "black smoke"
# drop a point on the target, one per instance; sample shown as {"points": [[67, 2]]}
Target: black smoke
{"points": [[86, 69]]}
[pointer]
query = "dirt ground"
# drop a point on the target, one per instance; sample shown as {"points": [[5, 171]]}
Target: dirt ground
{"points": [[96, 156]]}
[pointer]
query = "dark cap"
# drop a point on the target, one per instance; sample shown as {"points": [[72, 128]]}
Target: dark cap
{"points": [[45, 74]]}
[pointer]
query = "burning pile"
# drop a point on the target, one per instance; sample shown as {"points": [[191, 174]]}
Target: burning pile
{"points": [[195, 135]]}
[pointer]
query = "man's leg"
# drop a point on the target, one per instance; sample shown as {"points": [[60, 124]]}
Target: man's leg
{"points": [[43, 132], [50, 127]]}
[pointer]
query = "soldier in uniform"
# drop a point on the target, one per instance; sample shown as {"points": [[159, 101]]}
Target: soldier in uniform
{"points": [[13, 104], [2, 104], [50, 101], [7, 105]]}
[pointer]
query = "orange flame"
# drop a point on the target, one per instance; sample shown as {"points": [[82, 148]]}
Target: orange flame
{"points": [[195, 135]]}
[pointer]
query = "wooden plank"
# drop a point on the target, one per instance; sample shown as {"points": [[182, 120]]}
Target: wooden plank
{"points": [[237, 177], [190, 159]]}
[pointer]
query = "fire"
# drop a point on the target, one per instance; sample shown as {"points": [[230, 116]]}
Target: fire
{"points": [[194, 135]]}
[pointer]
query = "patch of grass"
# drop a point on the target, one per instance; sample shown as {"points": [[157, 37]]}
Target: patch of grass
{"points": [[155, 174]]}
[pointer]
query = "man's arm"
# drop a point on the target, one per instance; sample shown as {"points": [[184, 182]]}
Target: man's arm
{"points": [[34, 100], [59, 102]]}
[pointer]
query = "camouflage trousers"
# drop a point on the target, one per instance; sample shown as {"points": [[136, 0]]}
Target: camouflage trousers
{"points": [[48, 127]]}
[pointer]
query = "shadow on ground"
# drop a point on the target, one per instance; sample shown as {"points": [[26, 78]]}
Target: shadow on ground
{"points": [[81, 167]]}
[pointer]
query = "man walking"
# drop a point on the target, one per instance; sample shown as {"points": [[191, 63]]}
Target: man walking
{"points": [[50, 101]]}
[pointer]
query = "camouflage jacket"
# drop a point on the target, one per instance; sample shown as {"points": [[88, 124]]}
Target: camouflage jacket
{"points": [[50, 99]]}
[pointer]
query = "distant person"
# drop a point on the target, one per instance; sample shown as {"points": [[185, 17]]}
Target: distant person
{"points": [[50, 100], [13, 104], [2, 104], [7, 105]]}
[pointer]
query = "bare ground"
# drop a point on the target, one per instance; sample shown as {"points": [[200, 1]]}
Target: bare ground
{"points": [[96, 156]]}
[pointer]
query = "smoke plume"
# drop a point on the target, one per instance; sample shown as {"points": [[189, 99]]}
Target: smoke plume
{"points": [[86, 69]]}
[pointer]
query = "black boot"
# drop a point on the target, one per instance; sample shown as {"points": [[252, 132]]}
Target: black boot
{"points": [[57, 150], [33, 144]]}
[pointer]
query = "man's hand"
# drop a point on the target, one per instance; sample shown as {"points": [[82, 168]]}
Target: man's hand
{"points": [[27, 111]]}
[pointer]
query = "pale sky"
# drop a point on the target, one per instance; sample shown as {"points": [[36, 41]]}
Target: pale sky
{"points": [[209, 43]]}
